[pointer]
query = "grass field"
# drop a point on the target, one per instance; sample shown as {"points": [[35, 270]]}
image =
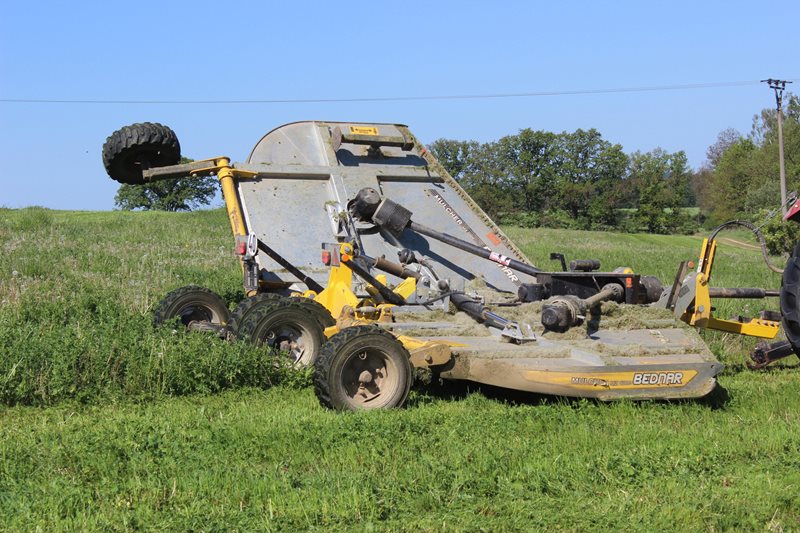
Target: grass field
{"points": [[106, 424]]}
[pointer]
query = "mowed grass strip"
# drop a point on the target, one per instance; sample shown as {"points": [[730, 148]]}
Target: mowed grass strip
{"points": [[275, 460], [148, 429]]}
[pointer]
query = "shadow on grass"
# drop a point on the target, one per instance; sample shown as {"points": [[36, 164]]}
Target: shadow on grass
{"points": [[774, 369], [456, 390]]}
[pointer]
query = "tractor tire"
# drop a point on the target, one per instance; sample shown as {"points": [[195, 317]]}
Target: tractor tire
{"points": [[363, 367], [790, 300], [192, 304], [132, 149], [246, 306], [285, 324]]}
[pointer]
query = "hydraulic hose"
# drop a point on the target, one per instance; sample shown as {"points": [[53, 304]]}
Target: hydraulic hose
{"points": [[752, 227]]}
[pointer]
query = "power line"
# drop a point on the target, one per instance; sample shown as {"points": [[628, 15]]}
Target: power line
{"points": [[652, 88], [779, 86]]}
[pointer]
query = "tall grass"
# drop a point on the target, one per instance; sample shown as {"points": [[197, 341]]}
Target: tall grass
{"points": [[76, 294], [132, 428]]}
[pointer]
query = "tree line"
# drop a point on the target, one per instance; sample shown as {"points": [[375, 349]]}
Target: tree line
{"points": [[575, 180], [581, 180], [741, 175]]}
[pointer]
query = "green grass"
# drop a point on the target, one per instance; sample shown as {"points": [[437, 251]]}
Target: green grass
{"points": [[109, 425]]}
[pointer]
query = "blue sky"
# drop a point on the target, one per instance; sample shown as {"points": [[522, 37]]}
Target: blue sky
{"points": [[321, 50]]}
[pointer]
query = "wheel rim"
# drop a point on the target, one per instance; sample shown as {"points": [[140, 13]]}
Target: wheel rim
{"points": [[370, 378], [293, 339], [198, 313]]}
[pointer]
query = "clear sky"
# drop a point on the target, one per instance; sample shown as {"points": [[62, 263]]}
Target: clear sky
{"points": [[177, 50]]}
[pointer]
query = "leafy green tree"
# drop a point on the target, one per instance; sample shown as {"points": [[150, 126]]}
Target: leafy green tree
{"points": [[661, 180], [540, 177], [734, 173], [527, 160], [590, 170], [741, 179], [725, 139], [178, 194], [459, 158], [474, 166]]}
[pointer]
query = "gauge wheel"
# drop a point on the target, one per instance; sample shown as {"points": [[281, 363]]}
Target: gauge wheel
{"points": [[246, 306], [192, 304], [285, 325], [363, 367]]}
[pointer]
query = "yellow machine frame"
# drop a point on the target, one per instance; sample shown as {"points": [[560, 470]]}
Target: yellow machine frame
{"points": [[700, 314], [338, 297]]}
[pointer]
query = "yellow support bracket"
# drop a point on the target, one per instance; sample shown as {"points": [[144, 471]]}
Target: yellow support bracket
{"points": [[700, 315], [767, 329], [339, 292], [406, 288]]}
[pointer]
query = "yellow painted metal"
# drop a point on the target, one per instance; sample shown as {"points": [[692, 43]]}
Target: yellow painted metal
{"points": [[582, 380], [707, 253], [226, 176], [339, 292], [702, 303], [412, 343], [767, 329], [330, 331], [406, 288], [364, 130], [432, 354], [700, 314], [427, 353], [338, 296]]}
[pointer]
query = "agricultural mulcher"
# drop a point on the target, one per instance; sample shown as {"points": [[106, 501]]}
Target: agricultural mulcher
{"points": [[362, 257]]}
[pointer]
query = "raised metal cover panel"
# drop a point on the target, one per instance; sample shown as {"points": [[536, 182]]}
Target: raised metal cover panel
{"points": [[308, 171]]}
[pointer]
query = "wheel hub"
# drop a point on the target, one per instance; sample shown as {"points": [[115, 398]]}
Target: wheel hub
{"points": [[196, 314], [290, 340], [368, 377]]}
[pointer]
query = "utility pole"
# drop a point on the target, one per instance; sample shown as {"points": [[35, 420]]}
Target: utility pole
{"points": [[779, 86]]}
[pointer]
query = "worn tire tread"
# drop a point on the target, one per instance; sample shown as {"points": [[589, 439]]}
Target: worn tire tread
{"points": [[251, 310], [244, 307], [321, 380], [250, 326], [790, 299], [141, 137]]}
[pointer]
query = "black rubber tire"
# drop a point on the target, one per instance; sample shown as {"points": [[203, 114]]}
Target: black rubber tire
{"points": [[790, 299], [354, 351], [191, 303], [131, 149], [242, 311], [319, 311], [284, 323]]}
